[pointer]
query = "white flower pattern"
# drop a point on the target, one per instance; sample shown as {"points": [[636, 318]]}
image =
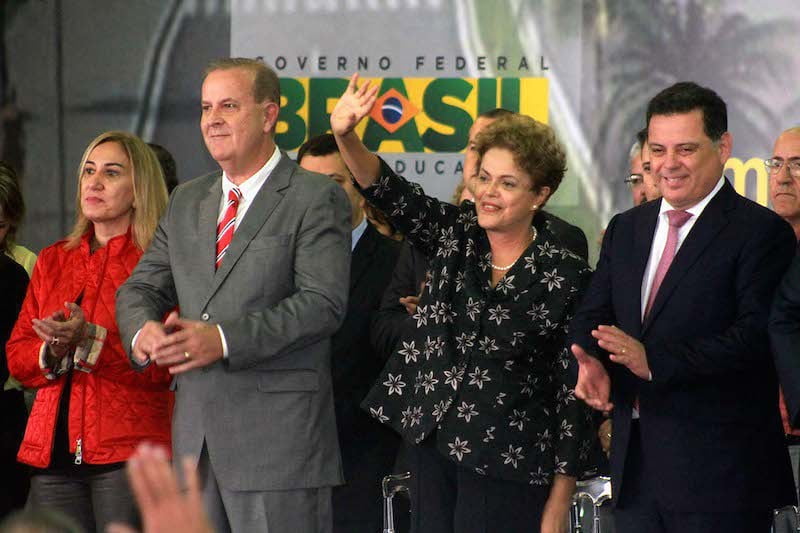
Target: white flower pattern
{"points": [[484, 359], [512, 455], [395, 384], [552, 279], [409, 351], [498, 314], [466, 411], [459, 448], [479, 377]]}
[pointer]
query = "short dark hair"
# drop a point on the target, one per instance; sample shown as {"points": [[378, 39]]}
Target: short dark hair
{"points": [[641, 136], [533, 145], [686, 96], [321, 145], [12, 205], [497, 112], [168, 166]]}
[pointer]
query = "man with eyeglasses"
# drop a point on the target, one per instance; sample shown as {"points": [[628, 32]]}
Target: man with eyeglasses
{"points": [[642, 185], [784, 177], [784, 328], [635, 179]]}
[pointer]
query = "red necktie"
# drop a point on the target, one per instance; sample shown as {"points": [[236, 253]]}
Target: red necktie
{"points": [[227, 225], [677, 219]]}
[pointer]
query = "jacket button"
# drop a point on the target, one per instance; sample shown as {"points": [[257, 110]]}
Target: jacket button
{"points": [[205, 316]]}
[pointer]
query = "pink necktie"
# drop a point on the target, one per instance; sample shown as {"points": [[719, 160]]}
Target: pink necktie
{"points": [[227, 224], [677, 219]]}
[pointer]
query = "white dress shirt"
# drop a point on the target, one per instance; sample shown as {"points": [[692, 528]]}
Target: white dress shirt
{"points": [[358, 231], [249, 189], [660, 240]]}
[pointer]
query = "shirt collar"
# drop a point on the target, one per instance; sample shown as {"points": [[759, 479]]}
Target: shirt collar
{"points": [[697, 208], [358, 231], [253, 184]]}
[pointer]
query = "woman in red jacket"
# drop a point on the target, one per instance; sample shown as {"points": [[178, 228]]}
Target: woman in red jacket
{"points": [[91, 408]]}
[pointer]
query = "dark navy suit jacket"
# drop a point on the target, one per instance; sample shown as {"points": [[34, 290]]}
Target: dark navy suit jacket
{"points": [[710, 427]]}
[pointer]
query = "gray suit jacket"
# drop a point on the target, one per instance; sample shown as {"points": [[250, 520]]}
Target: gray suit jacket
{"points": [[266, 412]]}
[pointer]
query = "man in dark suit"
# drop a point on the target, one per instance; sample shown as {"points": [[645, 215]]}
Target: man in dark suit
{"points": [[784, 328], [368, 448], [784, 191], [672, 334], [251, 347]]}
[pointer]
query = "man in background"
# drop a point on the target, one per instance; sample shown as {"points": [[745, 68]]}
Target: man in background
{"points": [[784, 194], [368, 448], [640, 181]]}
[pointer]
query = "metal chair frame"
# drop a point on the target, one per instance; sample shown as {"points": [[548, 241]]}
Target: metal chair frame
{"points": [[597, 491], [789, 508], [391, 485]]}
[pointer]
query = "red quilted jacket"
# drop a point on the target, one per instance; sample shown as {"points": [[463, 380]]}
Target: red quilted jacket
{"points": [[112, 408]]}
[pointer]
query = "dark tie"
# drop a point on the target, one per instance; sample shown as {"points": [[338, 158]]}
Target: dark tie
{"points": [[677, 218], [226, 226]]}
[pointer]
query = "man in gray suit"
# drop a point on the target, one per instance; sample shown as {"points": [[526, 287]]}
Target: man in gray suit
{"points": [[250, 342]]}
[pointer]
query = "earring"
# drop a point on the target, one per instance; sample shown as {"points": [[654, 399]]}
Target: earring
{"points": [[535, 207]]}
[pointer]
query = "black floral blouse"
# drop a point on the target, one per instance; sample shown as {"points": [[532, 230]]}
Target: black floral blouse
{"points": [[486, 371]]}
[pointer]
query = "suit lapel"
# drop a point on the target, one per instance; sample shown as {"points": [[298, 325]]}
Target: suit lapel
{"points": [[712, 220], [270, 195], [643, 231], [207, 230]]}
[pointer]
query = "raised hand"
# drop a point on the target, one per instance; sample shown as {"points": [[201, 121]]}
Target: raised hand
{"points": [[594, 385], [354, 104]]}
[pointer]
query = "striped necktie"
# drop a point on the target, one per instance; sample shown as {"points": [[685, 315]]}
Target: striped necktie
{"points": [[227, 225]]}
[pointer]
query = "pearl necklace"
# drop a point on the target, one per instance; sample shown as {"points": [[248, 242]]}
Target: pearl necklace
{"points": [[505, 268]]}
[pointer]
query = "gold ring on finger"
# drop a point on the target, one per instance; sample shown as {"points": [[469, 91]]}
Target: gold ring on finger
{"points": [[186, 355]]}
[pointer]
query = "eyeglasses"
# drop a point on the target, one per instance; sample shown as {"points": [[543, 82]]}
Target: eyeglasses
{"points": [[775, 164], [633, 179]]}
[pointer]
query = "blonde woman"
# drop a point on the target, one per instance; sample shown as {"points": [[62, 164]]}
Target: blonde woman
{"points": [[91, 409]]}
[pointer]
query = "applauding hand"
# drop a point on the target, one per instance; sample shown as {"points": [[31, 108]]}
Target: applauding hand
{"points": [[594, 384], [189, 344], [623, 349], [62, 334]]}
